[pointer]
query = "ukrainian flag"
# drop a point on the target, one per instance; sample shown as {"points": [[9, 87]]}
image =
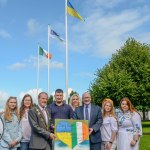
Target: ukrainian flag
{"points": [[71, 11]]}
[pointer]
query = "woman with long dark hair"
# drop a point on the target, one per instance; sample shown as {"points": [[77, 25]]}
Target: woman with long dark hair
{"points": [[26, 105]]}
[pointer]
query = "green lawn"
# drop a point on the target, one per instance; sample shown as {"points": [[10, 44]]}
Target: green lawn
{"points": [[146, 130], [145, 139], [146, 127], [145, 142]]}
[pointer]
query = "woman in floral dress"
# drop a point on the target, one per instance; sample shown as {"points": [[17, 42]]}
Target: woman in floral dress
{"points": [[130, 128]]}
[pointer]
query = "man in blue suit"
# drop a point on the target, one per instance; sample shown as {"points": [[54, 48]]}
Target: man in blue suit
{"points": [[93, 114]]}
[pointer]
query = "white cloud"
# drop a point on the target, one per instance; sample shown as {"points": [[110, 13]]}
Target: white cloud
{"points": [[3, 98], [107, 3], [103, 33], [17, 66], [33, 27], [3, 2], [4, 34], [57, 65], [33, 92], [32, 60]]}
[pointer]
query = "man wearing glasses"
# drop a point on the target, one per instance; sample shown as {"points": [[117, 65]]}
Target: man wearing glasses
{"points": [[93, 114]]}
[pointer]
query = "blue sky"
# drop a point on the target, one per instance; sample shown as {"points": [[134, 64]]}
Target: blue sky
{"points": [[23, 24]]}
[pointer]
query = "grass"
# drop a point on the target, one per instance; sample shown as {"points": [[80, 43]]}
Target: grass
{"points": [[144, 142], [146, 130], [146, 127]]}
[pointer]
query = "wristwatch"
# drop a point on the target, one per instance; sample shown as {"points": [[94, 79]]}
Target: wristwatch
{"points": [[136, 141]]}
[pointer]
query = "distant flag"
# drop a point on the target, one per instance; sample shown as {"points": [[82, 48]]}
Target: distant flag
{"points": [[71, 11], [53, 34], [44, 53]]}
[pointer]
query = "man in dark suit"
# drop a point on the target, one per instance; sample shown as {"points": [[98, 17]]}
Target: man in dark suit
{"points": [[93, 114], [39, 120]]}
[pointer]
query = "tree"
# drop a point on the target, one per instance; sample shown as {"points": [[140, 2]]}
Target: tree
{"points": [[50, 100], [127, 74]]}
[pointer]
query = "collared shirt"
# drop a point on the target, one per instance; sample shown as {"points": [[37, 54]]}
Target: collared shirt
{"points": [[89, 110], [44, 113], [60, 112]]}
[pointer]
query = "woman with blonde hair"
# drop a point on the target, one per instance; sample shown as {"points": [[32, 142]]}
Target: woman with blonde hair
{"points": [[130, 128], [109, 126], [75, 101], [26, 105], [12, 130]]}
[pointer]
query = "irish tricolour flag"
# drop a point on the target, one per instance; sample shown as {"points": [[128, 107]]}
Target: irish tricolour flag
{"points": [[44, 53], [80, 133]]}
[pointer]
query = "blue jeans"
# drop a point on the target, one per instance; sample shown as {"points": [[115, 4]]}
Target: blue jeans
{"points": [[24, 146]]}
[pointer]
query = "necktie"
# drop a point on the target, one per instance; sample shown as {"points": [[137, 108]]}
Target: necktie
{"points": [[86, 113], [43, 111]]}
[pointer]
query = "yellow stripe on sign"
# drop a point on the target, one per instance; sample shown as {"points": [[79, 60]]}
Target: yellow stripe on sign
{"points": [[65, 137]]}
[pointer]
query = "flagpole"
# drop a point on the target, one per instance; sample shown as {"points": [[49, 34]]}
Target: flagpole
{"points": [[66, 25], [48, 61], [38, 73]]}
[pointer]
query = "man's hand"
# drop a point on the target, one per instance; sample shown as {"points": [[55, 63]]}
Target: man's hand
{"points": [[52, 136], [90, 130]]}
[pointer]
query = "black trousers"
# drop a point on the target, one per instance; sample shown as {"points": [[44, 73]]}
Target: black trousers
{"points": [[95, 146]]}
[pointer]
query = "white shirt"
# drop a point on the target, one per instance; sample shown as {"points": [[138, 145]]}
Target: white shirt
{"points": [[109, 124], [44, 113]]}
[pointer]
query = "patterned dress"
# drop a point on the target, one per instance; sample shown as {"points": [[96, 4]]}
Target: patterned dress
{"points": [[129, 125]]}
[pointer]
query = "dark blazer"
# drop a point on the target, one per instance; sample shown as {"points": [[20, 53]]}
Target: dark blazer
{"points": [[40, 131], [95, 121]]}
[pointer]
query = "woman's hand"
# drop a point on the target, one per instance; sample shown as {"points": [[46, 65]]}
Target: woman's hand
{"points": [[133, 142], [108, 146], [13, 143]]}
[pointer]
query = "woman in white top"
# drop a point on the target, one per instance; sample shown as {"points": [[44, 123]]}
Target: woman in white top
{"points": [[26, 104], [75, 101], [109, 127], [130, 128]]}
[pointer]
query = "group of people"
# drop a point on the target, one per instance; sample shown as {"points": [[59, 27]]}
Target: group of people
{"points": [[32, 126]]}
